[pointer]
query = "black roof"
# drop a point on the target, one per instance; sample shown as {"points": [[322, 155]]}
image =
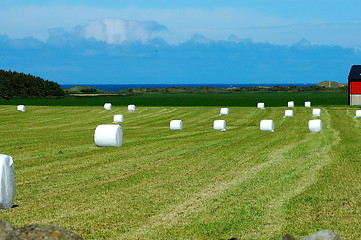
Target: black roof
{"points": [[355, 73]]}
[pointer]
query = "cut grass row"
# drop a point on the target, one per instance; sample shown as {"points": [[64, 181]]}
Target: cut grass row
{"points": [[246, 99], [191, 184]]}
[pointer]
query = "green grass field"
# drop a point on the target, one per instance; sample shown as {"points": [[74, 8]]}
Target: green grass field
{"points": [[191, 184], [244, 99]]}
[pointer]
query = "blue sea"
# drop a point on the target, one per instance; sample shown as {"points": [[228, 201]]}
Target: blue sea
{"points": [[118, 87]]}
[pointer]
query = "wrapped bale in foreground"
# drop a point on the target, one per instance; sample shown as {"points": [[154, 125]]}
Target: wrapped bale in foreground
{"points": [[108, 135], [7, 181]]}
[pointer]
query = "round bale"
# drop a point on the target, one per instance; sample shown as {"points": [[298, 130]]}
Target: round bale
{"points": [[288, 113], [224, 111], [176, 125], [316, 112], [315, 125], [307, 104], [118, 118], [107, 106], [267, 125], [290, 104], [358, 114], [260, 105], [108, 135], [21, 108], [219, 125], [131, 108], [7, 181]]}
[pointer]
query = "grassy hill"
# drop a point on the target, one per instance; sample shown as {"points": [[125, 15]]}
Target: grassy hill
{"points": [[191, 184], [331, 84]]}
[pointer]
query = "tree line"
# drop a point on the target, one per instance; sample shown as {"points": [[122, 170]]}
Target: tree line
{"points": [[21, 85]]}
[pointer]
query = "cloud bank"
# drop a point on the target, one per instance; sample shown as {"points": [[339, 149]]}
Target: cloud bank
{"points": [[122, 52], [267, 21]]}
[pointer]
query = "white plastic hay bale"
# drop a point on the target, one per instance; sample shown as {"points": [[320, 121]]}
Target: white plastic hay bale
{"points": [[176, 125], [131, 108], [358, 114], [290, 104], [267, 125], [107, 106], [316, 112], [224, 111], [21, 108], [118, 118], [108, 135], [288, 113], [219, 125], [260, 105], [7, 181], [315, 125], [307, 104]]}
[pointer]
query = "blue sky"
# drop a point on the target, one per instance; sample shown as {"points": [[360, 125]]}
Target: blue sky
{"points": [[85, 30]]}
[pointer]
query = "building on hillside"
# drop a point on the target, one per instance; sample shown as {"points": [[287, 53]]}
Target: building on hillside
{"points": [[354, 86]]}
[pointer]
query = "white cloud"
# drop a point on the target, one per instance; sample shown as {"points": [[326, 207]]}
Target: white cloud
{"points": [[110, 31], [200, 39], [117, 31]]}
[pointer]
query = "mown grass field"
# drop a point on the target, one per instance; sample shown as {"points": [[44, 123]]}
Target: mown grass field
{"points": [[191, 184]]}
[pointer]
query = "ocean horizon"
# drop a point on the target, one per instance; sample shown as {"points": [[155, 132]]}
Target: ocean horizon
{"points": [[118, 87]]}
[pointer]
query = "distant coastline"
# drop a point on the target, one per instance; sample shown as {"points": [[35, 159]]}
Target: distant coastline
{"points": [[118, 87]]}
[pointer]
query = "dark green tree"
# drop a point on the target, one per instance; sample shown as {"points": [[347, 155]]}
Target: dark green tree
{"points": [[21, 85]]}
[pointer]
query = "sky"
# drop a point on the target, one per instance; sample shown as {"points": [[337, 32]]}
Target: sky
{"points": [[181, 41]]}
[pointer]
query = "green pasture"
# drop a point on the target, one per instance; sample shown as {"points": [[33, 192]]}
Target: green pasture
{"points": [[197, 183], [242, 99]]}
